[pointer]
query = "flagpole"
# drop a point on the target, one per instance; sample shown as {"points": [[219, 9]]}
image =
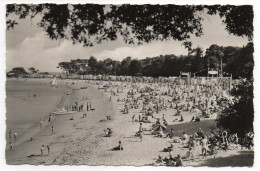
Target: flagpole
{"points": [[221, 67]]}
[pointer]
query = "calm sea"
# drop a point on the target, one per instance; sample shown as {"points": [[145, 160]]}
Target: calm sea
{"points": [[29, 100]]}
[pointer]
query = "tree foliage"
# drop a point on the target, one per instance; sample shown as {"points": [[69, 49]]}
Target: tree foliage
{"points": [[91, 23], [238, 19], [237, 61], [239, 117], [17, 71], [33, 70]]}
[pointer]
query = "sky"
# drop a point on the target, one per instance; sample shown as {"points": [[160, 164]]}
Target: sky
{"points": [[28, 46]]}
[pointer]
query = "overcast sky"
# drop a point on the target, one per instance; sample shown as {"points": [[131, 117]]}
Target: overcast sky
{"points": [[29, 46]]}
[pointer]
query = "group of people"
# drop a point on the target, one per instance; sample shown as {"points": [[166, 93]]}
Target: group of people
{"points": [[14, 135], [154, 99]]}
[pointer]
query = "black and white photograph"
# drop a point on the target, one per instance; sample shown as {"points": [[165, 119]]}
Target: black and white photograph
{"points": [[129, 84]]}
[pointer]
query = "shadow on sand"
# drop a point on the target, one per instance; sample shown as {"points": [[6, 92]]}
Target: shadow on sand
{"points": [[34, 155], [191, 127], [243, 158]]}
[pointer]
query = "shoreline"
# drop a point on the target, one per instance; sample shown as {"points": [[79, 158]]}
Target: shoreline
{"points": [[60, 123], [25, 132]]}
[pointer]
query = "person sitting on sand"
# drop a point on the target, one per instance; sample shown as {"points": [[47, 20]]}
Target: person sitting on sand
{"points": [[168, 149], [119, 147], [160, 133], [170, 134], [189, 155], [200, 133], [184, 136], [192, 141], [108, 132], [159, 160], [197, 119], [178, 160], [158, 121]]}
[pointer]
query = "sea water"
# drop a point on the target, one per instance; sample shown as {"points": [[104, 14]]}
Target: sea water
{"points": [[29, 100]]}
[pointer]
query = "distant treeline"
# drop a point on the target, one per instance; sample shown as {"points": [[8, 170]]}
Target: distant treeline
{"points": [[237, 61]]}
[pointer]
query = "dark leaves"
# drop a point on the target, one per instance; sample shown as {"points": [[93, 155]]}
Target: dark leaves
{"points": [[239, 117], [137, 24]]}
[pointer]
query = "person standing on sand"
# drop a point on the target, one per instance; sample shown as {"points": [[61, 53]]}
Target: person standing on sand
{"points": [[48, 148], [41, 123], [141, 136], [140, 127], [120, 147], [133, 118], [42, 149], [10, 134], [15, 135], [49, 120], [204, 144], [52, 129], [11, 145]]}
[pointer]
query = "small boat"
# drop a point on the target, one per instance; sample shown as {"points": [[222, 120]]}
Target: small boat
{"points": [[83, 87], [63, 113]]}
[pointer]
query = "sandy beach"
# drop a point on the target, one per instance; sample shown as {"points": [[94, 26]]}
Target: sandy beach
{"points": [[82, 140]]}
